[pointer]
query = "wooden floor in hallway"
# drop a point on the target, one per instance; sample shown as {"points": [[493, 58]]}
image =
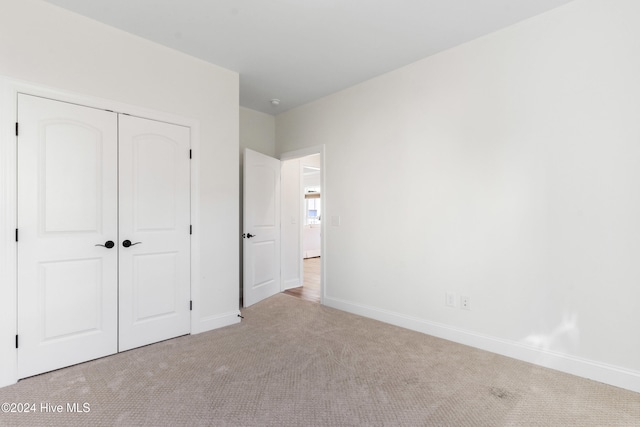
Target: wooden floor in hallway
{"points": [[311, 289]]}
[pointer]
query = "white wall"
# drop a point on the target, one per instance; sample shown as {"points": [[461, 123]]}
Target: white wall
{"points": [[48, 46], [506, 170], [291, 223], [311, 180], [257, 131]]}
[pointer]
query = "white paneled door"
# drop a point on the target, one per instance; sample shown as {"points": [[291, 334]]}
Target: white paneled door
{"points": [[73, 228], [67, 207], [261, 222], [154, 231]]}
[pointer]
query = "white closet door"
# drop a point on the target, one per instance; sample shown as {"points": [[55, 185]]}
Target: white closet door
{"points": [[155, 219], [67, 204]]}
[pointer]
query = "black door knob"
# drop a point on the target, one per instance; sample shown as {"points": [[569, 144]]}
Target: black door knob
{"points": [[108, 244], [127, 243], [249, 235]]}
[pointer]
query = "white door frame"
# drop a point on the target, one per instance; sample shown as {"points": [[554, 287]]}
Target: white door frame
{"points": [[304, 152], [9, 89]]}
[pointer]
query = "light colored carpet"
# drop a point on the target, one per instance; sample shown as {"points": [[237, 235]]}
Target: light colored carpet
{"points": [[296, 363]]}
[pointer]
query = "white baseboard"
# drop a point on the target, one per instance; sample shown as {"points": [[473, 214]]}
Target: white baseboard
{"points": [[612, 375], [312, 253], [291, 283], [214, 322]]}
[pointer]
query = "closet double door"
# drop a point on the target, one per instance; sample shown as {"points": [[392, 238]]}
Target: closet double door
{"points": [[103, 233]]}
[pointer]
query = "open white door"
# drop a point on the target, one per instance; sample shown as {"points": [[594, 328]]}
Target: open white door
{"points": [[155, 239], [67, 232], [261, 217]]}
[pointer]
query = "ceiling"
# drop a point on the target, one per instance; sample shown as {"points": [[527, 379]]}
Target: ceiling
{"points": [[301, 50]]}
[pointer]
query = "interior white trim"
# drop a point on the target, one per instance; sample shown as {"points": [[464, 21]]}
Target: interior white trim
{"points": [[601, 372], [292, 283], [304, 152], [9, 89], [208, 323], [309, 151], [8, 250]]}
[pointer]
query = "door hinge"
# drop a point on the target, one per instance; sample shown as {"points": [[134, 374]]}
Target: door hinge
{"points": [[17, 128], [190, 305], [190, 229], [16, 341], [190, 153], [16, 234]]}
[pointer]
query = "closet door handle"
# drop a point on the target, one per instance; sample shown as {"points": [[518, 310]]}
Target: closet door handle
{"points": [[128, 243], [108, 244]]}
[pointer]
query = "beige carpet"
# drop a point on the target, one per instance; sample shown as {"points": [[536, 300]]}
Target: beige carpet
{"points": [[296, 363]]}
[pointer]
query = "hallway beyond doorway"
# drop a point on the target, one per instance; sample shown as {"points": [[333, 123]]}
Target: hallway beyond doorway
{"points": [[311, 289]]}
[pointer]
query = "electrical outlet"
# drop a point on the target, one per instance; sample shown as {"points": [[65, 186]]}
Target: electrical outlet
{"points": [[450, 299], [465, 303]]}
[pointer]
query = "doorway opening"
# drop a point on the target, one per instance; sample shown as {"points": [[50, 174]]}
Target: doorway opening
{"points": [[303, 208], [276, 216]]}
